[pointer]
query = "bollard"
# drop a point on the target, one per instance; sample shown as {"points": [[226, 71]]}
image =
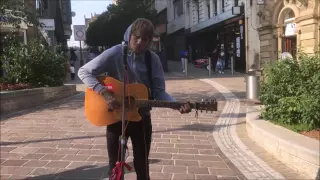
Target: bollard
{"points": [[252, 85], [210, 66], [232, 65], [186, 67]]}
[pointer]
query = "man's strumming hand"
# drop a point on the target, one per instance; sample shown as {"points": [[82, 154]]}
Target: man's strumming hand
{"points": [[185, 108], [110, 99]]}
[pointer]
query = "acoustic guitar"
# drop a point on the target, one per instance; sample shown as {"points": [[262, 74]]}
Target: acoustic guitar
{"points": [[96, 107]]}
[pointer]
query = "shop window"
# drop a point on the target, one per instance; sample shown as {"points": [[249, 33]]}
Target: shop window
{"points": [[178, 8]]}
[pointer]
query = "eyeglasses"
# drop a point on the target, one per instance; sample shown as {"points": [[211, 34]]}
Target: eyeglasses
{"points": [[140, 38]]}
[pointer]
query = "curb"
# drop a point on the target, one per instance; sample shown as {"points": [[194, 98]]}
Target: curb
{"points": [[295, 150]]}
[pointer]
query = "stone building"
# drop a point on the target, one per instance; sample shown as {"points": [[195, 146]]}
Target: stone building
{"points": [[287, 26]]}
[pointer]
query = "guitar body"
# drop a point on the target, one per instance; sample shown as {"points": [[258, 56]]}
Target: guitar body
{"points": [[96, 107]]}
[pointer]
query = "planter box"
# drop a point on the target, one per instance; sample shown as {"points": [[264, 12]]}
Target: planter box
{"points": [[295, 150], [22, 99]]}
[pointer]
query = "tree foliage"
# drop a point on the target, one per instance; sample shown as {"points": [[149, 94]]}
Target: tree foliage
{"points": [[108, 29], [14, 12], [290, 92], [32, 63]]}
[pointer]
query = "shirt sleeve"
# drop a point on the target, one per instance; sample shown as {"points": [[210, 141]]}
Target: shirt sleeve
{"points": [[158, 88], [95, 67]]}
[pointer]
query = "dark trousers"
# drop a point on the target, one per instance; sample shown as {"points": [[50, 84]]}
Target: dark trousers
{"points": [[72, 76], [140, 134]]}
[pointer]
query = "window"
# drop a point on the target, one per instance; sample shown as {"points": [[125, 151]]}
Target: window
{"points": [[178, 8], [222, 5], [215, 3], [208, 9], [45, 4], [236, 2], [198, 11]]}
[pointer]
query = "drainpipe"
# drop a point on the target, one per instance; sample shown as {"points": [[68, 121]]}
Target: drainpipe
{"points": [[247, 44]]}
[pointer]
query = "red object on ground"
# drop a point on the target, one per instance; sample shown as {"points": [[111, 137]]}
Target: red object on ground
{"points": [[117, 171]]}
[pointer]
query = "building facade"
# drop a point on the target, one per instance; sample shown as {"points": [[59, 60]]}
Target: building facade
{"points": [[266, 29], [203, 27], [286, 26], [60, 12]]}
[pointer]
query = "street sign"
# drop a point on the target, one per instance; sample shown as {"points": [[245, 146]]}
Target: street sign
{"points": [[79, 32], [47, 24]]}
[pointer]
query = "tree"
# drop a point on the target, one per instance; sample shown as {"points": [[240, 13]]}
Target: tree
{"points": [[110, 26]]}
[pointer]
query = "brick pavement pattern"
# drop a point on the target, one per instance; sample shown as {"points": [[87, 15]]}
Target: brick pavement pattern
{"points": [[57, 142]]}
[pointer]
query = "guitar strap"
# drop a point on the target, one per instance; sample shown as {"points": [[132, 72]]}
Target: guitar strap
{"points": [[147, 57]]}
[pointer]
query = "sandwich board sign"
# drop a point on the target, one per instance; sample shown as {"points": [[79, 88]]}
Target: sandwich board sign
{"points": [[79, 32]]}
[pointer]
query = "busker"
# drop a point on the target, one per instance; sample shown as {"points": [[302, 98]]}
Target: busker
{"points": [[139, 36]]}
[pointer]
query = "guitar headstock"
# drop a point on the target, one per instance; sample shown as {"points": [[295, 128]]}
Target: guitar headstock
{"points": [[207, 105]]}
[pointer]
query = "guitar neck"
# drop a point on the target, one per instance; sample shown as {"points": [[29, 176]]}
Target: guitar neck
{"points": [[164, 104]]}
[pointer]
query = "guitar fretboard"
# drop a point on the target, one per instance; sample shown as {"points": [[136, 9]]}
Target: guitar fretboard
{"points": [[165, 104]]}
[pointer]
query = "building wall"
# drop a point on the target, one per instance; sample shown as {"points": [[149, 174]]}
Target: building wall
{"points": [[271, 26], [160, 5], [253, 38]]}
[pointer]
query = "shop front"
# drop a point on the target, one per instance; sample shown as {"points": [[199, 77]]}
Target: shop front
{"points": [[228, 37]]}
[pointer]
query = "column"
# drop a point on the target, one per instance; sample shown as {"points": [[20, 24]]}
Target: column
{"points": [[211, 8], [219, 9], [25, 37], [205, 10]]}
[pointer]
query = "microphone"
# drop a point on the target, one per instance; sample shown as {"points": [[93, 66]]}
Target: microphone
{"points": [[125, 52]]}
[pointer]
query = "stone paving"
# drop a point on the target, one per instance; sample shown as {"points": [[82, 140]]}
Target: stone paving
{"points": [[57, 142], [251, 159]]}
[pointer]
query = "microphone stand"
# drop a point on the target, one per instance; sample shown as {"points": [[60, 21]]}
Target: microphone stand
{"points": [[123, 140]]}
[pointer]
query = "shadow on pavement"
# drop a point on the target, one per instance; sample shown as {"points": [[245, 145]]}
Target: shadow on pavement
{"points": [[75, 101], [197, 127], [90, 172], [48, 140]]}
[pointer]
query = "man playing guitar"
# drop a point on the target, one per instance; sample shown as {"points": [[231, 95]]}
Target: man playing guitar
{"points": [[139, 36]]}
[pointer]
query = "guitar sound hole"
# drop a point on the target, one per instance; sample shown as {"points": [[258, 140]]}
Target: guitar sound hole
{"points": [[130, 102]]}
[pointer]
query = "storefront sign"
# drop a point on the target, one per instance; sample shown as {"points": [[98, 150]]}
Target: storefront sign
{"points": [[47, 24], [290, 29], [238, 46], [241, 31]]}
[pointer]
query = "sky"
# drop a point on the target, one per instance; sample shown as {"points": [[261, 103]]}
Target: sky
{"points": [[85, 8]]}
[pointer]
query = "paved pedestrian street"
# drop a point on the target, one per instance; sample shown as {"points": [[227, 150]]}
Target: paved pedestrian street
{"points": [[57, 142]]}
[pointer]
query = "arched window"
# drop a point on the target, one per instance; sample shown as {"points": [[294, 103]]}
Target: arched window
{"points": [[289, 41]]}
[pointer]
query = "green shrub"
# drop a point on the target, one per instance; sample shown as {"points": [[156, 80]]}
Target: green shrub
{"points": [[32, 63], [290, 92]]}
